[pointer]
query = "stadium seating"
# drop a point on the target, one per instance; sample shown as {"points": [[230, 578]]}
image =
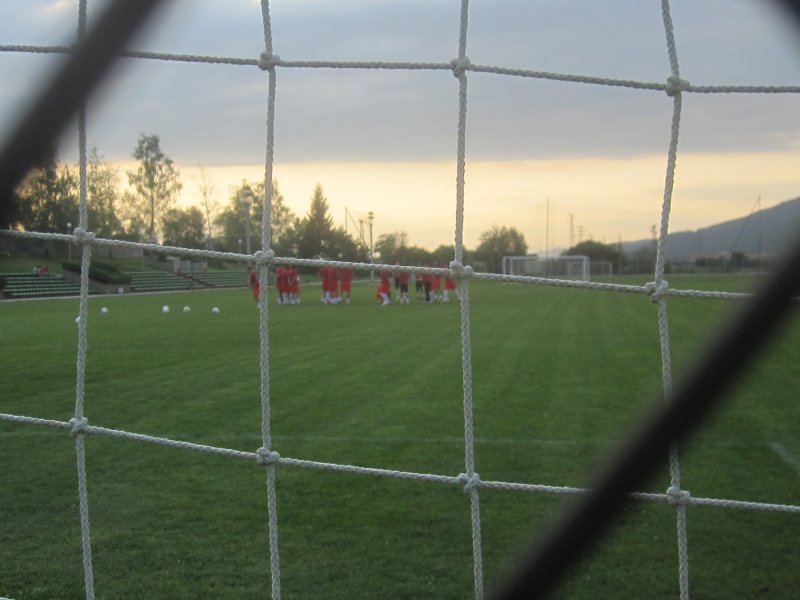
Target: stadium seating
{"points": [[157, 281], [28, 285], [221, 279]]}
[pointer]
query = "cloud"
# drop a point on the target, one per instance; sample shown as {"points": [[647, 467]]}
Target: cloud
{"points": [[216, 114]]}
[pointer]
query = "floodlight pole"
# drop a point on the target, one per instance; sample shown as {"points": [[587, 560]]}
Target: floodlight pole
{"points": [[370, 220]]}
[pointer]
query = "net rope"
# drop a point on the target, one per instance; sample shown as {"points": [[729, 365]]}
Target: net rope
{"points": [[658, 292]]}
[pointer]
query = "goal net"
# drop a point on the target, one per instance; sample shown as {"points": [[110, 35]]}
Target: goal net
{"points": [[36, 127], [569, 267]]}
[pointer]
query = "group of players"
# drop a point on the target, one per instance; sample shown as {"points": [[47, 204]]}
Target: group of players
{"points": [[337, 282], [287, 282], [429, 287]]}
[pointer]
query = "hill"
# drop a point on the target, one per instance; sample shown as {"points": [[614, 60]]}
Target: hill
{"points": [[766, 232]]}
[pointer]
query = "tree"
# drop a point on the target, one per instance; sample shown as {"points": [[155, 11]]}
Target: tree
{"points": [[443, 255], [497, 243], [390, 246], [596, 251], [207, 203], [184, 227], [102, 197], [231, 220], [314, 232], [48, 198], [156, 185]]}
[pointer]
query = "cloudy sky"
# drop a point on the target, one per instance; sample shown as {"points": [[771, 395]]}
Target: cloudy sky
{"points": [[540, 154]]}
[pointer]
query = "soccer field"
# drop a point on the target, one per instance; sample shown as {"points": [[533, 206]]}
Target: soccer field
{"points": [[559, 378]]}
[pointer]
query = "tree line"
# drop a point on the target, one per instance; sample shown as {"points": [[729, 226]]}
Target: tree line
{"points": [[48, 201]]}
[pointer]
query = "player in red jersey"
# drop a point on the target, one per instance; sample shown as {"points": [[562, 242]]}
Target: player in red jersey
{"points": [[402, 278], [384, 291], [333, 285], [345, 281], [255, 286], [427, 282], [279, 278], [292, 285], [323, 275], [449, 284]]}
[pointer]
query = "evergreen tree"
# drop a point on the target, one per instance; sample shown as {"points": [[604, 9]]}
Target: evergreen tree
{"points": [[316, 229]]}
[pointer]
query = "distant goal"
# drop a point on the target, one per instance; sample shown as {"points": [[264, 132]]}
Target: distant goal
{"points": [[574, 267]]}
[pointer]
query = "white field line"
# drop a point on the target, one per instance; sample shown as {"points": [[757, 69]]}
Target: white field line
{"points": [[787, 457]]}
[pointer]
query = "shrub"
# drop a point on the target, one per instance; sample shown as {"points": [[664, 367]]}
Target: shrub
{"points": [[102, 272]]}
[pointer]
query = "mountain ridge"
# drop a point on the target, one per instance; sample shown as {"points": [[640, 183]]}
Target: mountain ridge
{"points": [[766, 232]]}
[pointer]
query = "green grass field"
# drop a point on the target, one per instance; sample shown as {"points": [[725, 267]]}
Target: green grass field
{"points": [[560, 376]]}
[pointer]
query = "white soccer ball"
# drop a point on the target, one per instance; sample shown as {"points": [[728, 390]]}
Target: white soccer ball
{"points": [[215, 310], [77, 320], [104, 310], [186, 309], [165, 309]]}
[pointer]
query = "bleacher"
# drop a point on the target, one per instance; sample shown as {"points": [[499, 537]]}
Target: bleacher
{"points": [[28, 285], [221, 279], [157, 281]]}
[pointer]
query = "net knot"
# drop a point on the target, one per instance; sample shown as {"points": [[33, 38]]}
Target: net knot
{"points": [[656, 292], [459, 65], [677, 497], [459, 271], [676, 85], [470, 481], [267, 457], [264, 257], [78, 425], [82, 236], [267, 61]]}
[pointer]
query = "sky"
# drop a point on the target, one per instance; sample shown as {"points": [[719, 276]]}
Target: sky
{"points": [[561, 162]]}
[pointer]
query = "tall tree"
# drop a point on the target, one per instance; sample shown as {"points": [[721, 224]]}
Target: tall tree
{"points": [[207, 203], [315, 230], [102, 197], [498, 242], [156, 183]]}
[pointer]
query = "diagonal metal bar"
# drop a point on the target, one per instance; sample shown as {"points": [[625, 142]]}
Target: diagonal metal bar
{"points": [[702, 391], [49, 113]]}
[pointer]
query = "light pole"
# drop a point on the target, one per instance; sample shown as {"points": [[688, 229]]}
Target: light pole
{"points": [[69, 243], [370, 220]]}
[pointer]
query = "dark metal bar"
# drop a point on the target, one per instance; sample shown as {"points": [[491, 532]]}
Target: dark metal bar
{"points": [[39, 127]]}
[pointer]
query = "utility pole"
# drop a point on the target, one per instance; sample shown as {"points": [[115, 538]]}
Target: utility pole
{"points": [[571, 230]]}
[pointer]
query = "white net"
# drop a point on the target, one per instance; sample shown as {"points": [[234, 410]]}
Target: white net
{"points": [[461, 68]]}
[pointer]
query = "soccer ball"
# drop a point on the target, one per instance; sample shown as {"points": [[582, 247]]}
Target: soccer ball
{"points": [[165, 309], [186, 309], [215, 310], [104, 310]]}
